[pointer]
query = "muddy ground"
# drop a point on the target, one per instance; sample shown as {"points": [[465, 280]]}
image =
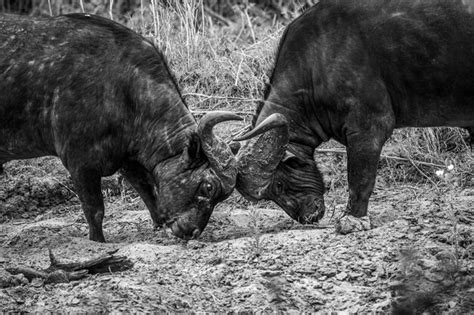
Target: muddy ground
{"points": [[251, 257]]}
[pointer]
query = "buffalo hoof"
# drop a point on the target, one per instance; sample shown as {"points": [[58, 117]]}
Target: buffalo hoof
{"points": [[349, 224]]}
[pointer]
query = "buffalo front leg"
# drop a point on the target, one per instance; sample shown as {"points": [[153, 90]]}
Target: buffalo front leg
{"points": [[363, 153], [142, 182], [88, 187]]}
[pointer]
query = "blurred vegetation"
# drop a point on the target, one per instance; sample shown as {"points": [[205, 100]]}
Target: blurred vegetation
{"points": [[220, 9]]}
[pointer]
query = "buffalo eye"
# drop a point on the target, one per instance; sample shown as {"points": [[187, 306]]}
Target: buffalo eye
{"points": [[278, 187], [207, 189]]}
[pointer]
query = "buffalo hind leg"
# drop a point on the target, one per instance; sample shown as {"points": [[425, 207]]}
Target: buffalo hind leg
{"points": [[363, 153], [142, 182], [470, 138], [88, 187]]}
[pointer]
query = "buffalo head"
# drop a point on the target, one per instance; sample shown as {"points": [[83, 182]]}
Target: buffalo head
{"points": [[192, 183], [268, 170]]}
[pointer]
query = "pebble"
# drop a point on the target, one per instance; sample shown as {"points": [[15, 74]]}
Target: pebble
{"points": [[341, 276], [328, 272], [270, 273], [327, 287]]}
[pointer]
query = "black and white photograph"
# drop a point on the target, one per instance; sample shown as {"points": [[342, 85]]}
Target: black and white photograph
{"points": [[237, 156]]}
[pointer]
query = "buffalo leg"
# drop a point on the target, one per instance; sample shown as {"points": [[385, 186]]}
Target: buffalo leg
{"points": [[88, 188], [363, 153], [137, 176]]}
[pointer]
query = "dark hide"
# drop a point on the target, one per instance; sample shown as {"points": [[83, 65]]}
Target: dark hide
{"points": [[102, 99], [355, 70]]}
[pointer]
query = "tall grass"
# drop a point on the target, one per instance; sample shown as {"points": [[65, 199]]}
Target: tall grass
{"points": [[217, 66], [223, 63], [226, 67]]}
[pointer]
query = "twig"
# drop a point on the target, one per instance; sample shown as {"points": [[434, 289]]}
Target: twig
{"points": [[421, 172], [50, 8], [252, 33], [388, 157], [217, 16], [240, 132], [217, 97], [238, 71], [110, 9], [200, 113]]}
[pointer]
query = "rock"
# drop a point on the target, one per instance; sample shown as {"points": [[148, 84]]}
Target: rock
{"points": [[328, 272], [270, 273], [341, 276], [327, 287], [428, 263], [242, 219], [349, 224]]}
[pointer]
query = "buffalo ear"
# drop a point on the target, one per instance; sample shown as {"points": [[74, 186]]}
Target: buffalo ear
{"points": [[293, 161], [192, 153], [235, 147], [288, 156]]}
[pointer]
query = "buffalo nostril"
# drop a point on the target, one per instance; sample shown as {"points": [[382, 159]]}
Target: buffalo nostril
{"points": [[196, 234]]}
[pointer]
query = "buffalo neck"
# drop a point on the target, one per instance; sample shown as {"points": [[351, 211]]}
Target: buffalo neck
{"points": [[162, 125], [306, 131]]}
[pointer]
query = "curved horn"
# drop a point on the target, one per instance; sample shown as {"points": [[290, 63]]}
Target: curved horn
{"points": [[217, 151], [271, 122], [259, 158]]}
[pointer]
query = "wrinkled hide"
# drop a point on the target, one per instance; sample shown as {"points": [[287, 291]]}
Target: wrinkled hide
{"points": [[102, 99], [354, 71]]}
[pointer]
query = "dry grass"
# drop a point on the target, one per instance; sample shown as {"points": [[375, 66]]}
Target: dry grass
{"points": [[226, 67]]}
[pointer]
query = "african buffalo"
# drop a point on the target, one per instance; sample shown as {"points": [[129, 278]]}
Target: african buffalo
{"points": [[102, 99], [354, 71]]}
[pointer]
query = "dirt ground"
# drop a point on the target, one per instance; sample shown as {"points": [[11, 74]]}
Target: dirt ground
{"points": [[251, 257]]}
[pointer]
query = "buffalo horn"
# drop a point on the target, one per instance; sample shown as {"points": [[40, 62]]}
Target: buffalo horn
{"points": [[217, 151], [273, 121], [258, 158]]}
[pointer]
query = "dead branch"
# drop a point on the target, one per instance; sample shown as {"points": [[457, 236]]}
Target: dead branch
{"points": [[388, 157], [59, 272], [200, 113]]}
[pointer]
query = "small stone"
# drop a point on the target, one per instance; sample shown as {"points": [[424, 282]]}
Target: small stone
{"points": [[341, 276], [37, 282], [428, 263], [270, 273], [349, 224], [194, 244], [328, 272], [318, 285], [354, 275], [327, 287]]}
